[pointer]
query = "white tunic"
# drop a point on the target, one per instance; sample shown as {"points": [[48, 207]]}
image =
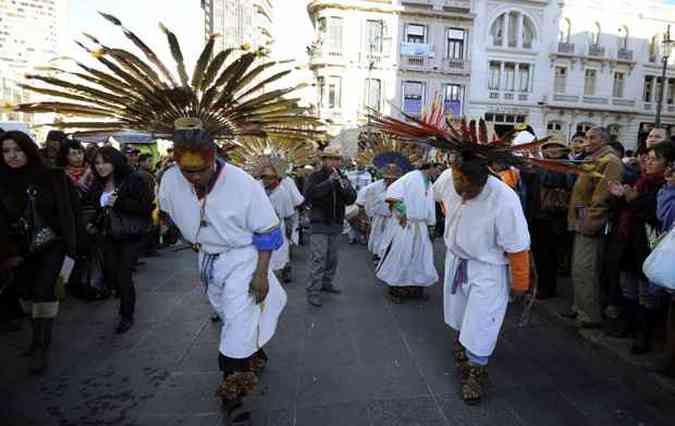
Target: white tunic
{"points": [[408, 255], [283, 207], [235, 209], [289, 184], [481, 231], [373, 199]]}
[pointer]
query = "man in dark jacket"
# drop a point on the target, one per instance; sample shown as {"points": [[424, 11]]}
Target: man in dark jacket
{"points": [[328, 193]]}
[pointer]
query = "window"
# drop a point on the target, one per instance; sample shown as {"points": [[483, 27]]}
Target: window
{"points": [[654, 49], [455, 43], [565, 30], [330, 93], [648, 89], [335, 36], [495, 70], [415, 33], [509, 77], [513, 29], [623, 37], [584, 127], [595, 35], [452, 100], [560, 83], [497, 31], [618, 85], [334, 92], [554, 128], [658, 89], [373, 93], [413, 97], [375, 37], [322, 25], [670, 93], [524, 77], [589, 83]]}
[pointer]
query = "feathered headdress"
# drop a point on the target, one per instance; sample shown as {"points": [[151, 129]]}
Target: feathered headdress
{"points": [[472, 141], [253, 154], [375, 146], [224, 96]]}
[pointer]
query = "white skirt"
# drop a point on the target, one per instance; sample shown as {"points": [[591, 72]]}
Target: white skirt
{"points": [[478, 308], [378, 228], [408, 257], [247, 326]]}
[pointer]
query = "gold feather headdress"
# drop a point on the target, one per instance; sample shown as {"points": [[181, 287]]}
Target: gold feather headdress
{"points": [[228, 94], [372, 144], [281, 154]]}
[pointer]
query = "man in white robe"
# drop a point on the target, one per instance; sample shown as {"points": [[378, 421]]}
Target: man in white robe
{"points": [[229, 219], [284, 206], [373, 200], [487, 241], [293, 225], [407, 264]]}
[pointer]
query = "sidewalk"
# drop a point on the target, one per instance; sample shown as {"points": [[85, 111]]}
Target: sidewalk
{"points": [[647, 364]]}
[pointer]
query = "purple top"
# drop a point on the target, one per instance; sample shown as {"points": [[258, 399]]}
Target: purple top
{"points": [[665, 207]]}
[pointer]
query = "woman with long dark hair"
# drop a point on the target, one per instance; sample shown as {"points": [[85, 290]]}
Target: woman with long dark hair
{"points": [[37, 214], [124, 205]]}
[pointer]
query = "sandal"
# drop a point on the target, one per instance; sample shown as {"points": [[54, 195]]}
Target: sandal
{"points": [[472, 386]]}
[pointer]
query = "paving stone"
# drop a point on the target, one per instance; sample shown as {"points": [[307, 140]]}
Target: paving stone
{"points": [[406, 412]]}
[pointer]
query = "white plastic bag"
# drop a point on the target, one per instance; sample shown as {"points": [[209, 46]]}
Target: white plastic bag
{"points": [[660, 265]]}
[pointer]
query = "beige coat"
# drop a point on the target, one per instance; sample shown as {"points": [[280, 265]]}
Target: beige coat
{"points": [[591, 201]]}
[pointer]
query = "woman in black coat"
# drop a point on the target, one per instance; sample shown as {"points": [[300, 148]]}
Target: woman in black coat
{"points": [[35, 269], [124, 207]]}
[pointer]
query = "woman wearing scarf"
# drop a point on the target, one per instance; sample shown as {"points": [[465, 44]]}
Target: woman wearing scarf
{"points": [[36, 266], [636, 222], [74, 164]]}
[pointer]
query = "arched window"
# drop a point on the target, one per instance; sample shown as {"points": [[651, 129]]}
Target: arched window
{"points": [[595, 36], [654, 48], [565, 30], [624, 36], [584, 127], [556, 128], [513, 29]]}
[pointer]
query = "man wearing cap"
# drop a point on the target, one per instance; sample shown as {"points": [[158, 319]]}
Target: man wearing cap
{"points": [[407, 264], [328, 192], [230, 221], [373, 199]]}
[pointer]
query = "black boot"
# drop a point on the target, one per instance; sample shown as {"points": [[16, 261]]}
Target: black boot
{"points": [[34, 340], [38, 360], [644, 332]]}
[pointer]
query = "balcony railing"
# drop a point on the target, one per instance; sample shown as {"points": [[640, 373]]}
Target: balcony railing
{"points": [[623, 102], [624, 54], [508, 96], [595, 100], [456, 64], [565, 98], [566, 48], [596, 51], [416, 61], [494, 95]]}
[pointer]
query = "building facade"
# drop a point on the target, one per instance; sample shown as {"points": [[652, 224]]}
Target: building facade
{"points": [[388, 55], [31, 33], [599, 66], [239, 22]]}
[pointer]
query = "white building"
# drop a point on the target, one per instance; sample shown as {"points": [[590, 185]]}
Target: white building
{"points": [[32, 32], [567, 65], [239, 22], [374, 53]]}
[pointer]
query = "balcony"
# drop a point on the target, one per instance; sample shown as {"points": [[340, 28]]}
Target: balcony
{"points": [[565, 98], [494, 95], [624, 55], [326, 57], [596, 51], [596, 100], [623, 102], [566, 48], [416, 61]]}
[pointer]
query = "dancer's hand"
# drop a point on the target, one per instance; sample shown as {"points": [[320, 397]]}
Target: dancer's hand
{"points": [[403, 221], [259, 287]]}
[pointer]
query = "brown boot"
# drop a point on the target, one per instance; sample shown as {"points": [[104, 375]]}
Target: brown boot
{"points": [[472, 385]]}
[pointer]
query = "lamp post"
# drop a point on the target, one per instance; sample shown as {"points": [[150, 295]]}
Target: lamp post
{"points": [[667, 45]]}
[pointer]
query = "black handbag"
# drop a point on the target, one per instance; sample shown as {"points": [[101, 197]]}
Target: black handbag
{"points": [[123, 226], [40, 235]]}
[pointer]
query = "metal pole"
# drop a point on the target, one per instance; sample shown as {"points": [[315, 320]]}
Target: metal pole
{"points": [[659, 107]]}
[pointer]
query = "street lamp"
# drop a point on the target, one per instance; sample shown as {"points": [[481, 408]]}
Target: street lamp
{"points": [[666, 45]]}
